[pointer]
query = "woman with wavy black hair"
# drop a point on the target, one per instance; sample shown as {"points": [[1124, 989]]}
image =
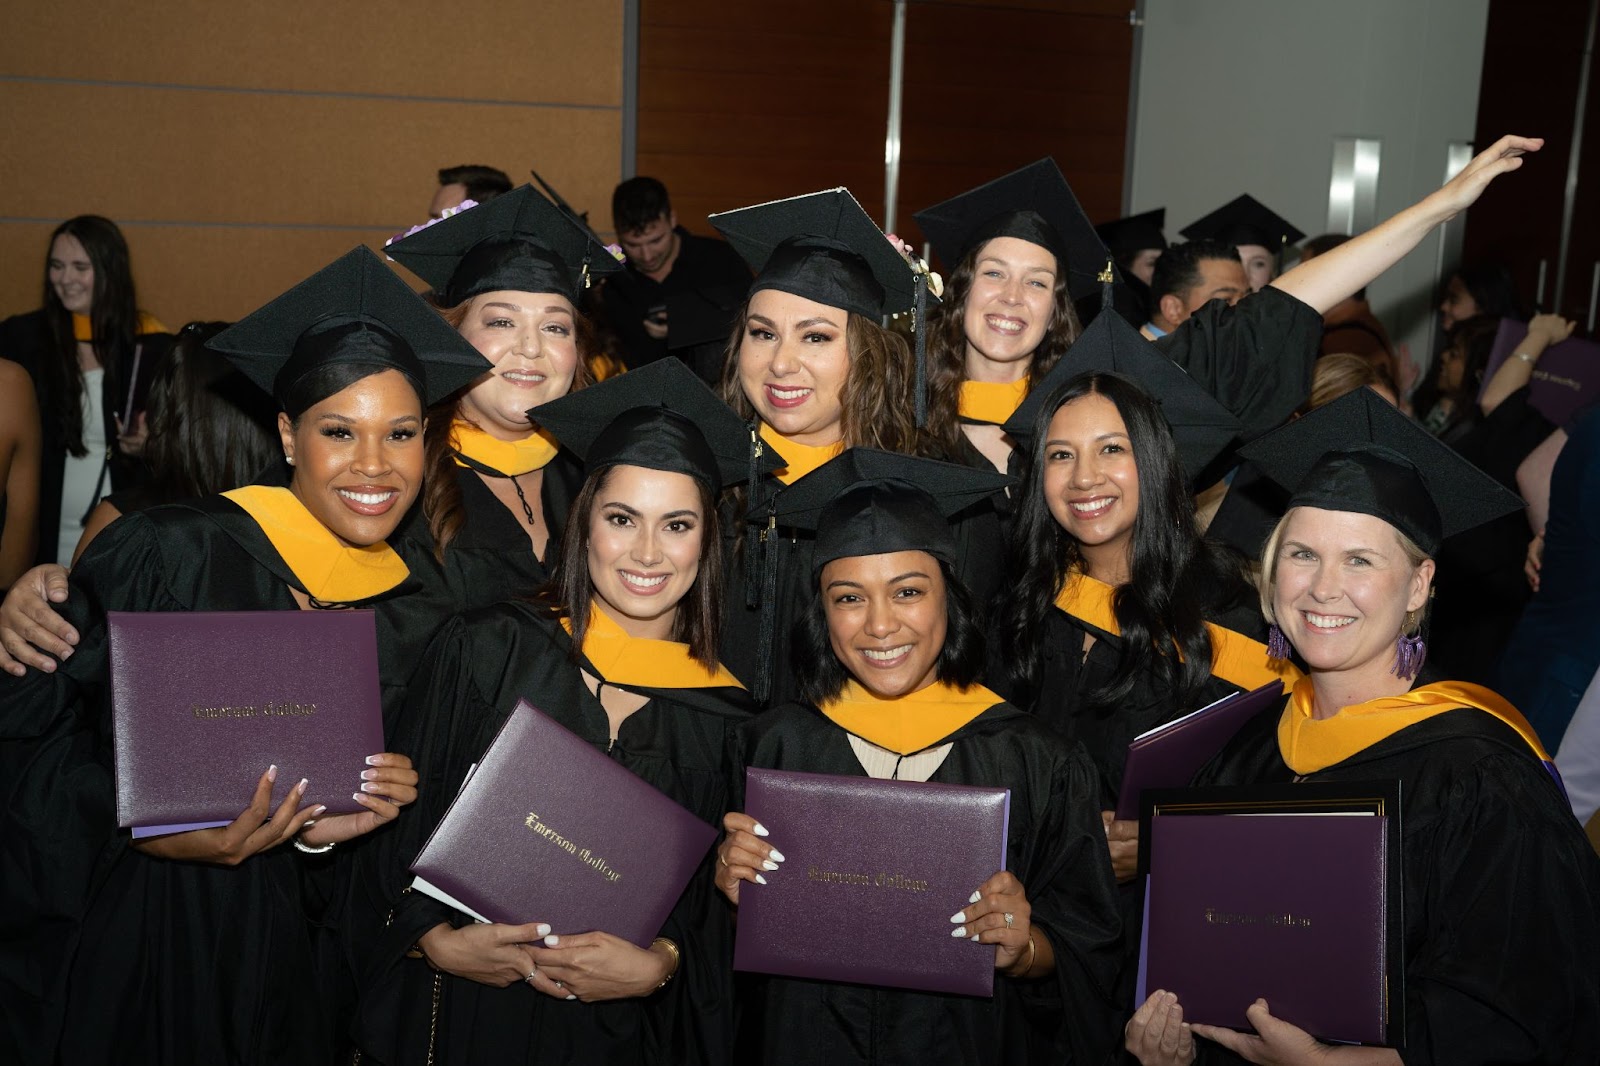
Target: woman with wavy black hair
{"points": [[1118, 616], [889, 656], [90, 350]]}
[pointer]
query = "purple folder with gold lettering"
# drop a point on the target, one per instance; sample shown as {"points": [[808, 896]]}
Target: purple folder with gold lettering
{"points": [[204, 701], [548, 828], [1294, 902], [897, 857]]}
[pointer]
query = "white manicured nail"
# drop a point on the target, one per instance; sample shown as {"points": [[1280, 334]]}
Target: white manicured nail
{"points": [[552, 941], [760, 880], [768, 865], [959, 916], [975, 897], [542, 929], [959, 931], [761, 830], [775, 855]]}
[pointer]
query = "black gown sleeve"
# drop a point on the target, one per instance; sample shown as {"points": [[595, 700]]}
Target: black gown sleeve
{"points": [[58, 816], [1255, 357], [1074, 897]]}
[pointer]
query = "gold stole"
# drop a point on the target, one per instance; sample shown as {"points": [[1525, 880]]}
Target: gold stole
{"points": [[1235, 658], [1310, 744], [642, 661], [911, 723], [328, 570]]}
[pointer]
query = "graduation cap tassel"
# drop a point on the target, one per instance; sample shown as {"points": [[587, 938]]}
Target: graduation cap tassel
{"points": [[1108, 277], [919, 335], [753, 489], [769, 609]]}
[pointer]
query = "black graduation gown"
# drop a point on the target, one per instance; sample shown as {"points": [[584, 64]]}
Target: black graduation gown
{"points": [[491, 558], [1067, 676], [1056, 848], [1255, 357], [476, 671], [1502, 890], [980, 552], [110, 955]]}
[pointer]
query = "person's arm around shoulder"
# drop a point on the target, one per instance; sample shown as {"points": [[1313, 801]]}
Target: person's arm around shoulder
{"points": [[1325, 280], [20, 451]]}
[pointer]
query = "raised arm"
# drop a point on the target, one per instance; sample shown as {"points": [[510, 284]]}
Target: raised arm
{"points": [[1341, 272]]}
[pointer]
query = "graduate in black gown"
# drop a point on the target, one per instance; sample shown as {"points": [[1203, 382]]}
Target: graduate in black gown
{"points": [[1020, 251], [1501, 888], [1118, 617], [509, 275], [197, 946], [892, 653], [620, 649], [814, 373]]}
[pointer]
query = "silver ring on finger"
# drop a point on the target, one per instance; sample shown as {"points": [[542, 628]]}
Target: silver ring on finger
{"points": [[560, 985], [532, 974], [1010, 919]]}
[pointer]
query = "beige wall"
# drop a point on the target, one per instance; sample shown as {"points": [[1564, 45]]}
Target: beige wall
{"points": [[242, 146]]}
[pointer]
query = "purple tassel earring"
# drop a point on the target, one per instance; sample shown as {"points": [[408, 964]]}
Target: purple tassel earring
{"points": [[1409, 655], [1277, 643]]}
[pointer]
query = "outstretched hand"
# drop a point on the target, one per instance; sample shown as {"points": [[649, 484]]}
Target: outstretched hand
{"points": [[1501, 157]]}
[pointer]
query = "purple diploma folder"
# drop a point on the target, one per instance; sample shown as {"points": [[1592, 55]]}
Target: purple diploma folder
{"points": [[898, 857], [1295, 908], [1170, 755], [1566, 378], [547, 828], [204, 701]]}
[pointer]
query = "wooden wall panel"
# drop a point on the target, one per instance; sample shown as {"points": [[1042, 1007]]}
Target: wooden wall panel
{"points": [[523, 50], [235, 171], [740, 103]]}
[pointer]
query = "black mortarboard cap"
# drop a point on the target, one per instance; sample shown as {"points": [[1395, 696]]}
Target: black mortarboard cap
{"points": [[1137, 233], [1360, 454], [870, 502], [1201, 427], [354, 310], [519, 241], [1245, 220], [1034, 204], [660, 416], [824, 247]]}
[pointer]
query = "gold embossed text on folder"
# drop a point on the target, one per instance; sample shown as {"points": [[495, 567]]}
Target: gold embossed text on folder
{"points": [[583, 855]]}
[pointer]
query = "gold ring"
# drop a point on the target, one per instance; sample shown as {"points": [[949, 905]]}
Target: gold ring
{"points": [[722, 862]]}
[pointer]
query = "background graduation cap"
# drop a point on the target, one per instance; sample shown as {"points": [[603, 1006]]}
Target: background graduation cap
{"points": [[518, 241], [581, 217], [1244, 220], [1034, 204], [660, 416], [824, 247], [1201, 427], [1127, 237], [354, 310], [1360, 454]]}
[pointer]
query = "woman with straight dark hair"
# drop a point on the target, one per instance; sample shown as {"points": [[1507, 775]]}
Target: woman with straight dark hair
{"points": [[211, 430], [90, 350], [620, 648], [199, 946], [889, 656]]}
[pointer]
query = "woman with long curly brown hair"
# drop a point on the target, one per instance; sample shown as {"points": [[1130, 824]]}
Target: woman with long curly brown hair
{"points": [[813, 372], [508, 275]]}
